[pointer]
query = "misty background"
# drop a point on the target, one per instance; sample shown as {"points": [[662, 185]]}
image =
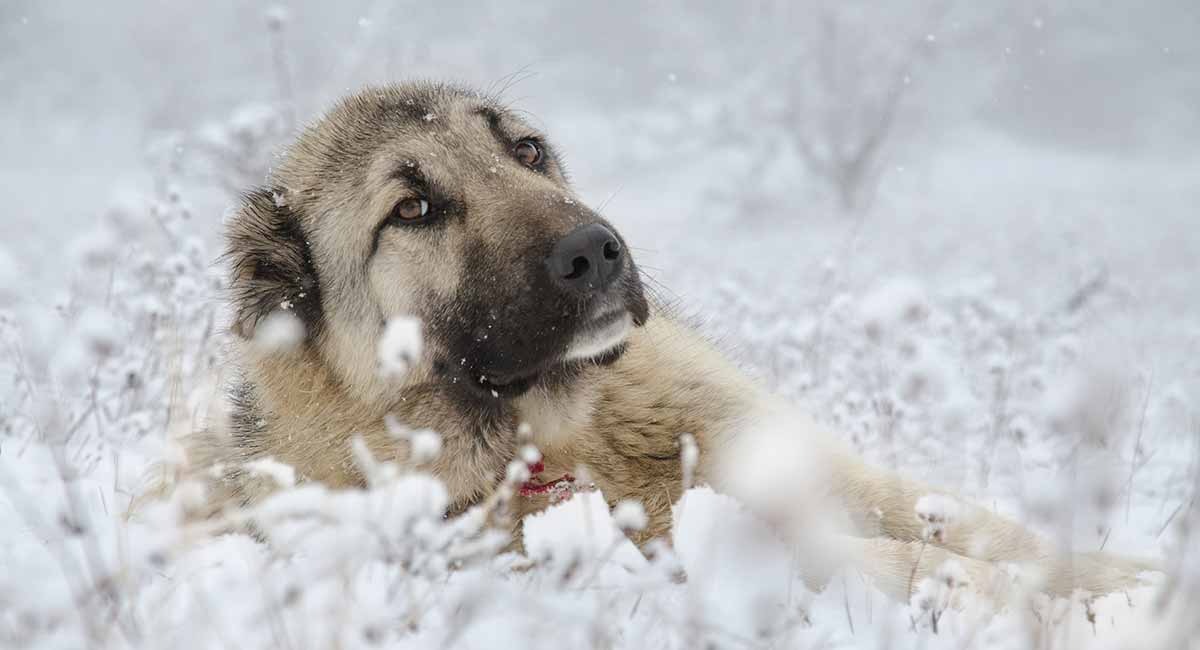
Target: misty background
{"points": [[639, 94]]}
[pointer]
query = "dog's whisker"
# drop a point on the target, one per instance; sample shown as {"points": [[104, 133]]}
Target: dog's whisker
{"points": [[612, 195]]}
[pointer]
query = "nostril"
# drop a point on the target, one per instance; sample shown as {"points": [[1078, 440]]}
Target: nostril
{"points": [[612, 250], [586, 260], [579, 266]]}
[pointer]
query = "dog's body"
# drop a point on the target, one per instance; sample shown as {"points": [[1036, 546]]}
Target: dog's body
{"points": [[428, 201]]}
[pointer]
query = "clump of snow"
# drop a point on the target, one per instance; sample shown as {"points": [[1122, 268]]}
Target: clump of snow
{"points": [[530, 454], [937, 512], [775, 465], [426, 446], [936, 594], [895, 302], [517, 472], [280, 331], [738, 571], [79, 343], [99, 331], [400, 347], [97, 249], [630, 516], [580, 535], [689, 456], [283, 475]]}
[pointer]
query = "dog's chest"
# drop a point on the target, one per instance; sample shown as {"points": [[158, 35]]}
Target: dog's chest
{"points": [[555, 420]]}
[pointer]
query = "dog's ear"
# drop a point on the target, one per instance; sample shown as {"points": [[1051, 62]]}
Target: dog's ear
{"points": [[271, 265]]}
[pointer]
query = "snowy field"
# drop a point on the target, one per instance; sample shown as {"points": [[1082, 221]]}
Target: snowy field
{"points": [[1010, 308]]}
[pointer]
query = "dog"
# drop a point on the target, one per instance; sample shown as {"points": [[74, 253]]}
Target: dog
{"points": [[438, 203]]}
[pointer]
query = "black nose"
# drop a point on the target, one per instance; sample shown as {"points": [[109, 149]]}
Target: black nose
{"points": [[587, 259]]}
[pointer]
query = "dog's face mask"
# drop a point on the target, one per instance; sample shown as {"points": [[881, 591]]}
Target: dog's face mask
{"points": [[435, 203]]}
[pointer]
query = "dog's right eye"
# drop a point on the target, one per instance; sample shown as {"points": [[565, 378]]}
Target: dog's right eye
{"points": [[410, 210], [528, 153]]}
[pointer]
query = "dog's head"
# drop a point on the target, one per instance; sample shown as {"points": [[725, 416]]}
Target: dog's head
{"points": [[441, 204]]}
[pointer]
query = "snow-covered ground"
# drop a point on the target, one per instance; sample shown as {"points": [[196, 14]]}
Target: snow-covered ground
{"points": [[1018, 322]]}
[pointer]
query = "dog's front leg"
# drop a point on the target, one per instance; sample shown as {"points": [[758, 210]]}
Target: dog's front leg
{"points": [[884, 503], [899, 569]]}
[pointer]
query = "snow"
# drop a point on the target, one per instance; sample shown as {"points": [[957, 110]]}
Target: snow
{"points": [[283, 475], [1013, 318], [937, 512], [629, 516], [280, 331], [896, 301], [934, 595], [530, 454], [689, 457], [399, 347], [517, 471], [426, 446], [98, 330]]}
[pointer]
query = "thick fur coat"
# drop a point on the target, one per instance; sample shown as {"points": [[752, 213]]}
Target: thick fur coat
{"points": [[332, 241]]}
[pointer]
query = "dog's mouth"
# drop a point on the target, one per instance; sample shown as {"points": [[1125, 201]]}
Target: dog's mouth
{"points": [[505, 386], [601, 341], [605, 332]]}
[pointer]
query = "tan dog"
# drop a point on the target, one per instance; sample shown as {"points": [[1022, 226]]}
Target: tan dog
{"points": [[441, 204]]}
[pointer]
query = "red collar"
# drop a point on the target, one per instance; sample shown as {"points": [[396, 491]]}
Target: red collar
{"points": [[558, 489]]}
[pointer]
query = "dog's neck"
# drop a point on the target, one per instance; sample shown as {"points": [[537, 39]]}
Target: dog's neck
{"points": [[296, 395], [555, 415], [669, 378]]}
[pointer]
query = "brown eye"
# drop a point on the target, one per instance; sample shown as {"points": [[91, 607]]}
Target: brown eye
{"points": [[411, 209], [528, 152]]}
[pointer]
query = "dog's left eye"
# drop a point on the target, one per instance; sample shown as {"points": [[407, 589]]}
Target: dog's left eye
{"points": [[528, 152], [410, 210]]}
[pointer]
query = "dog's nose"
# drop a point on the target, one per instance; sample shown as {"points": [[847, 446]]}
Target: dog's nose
{"points": [[587, 259]]}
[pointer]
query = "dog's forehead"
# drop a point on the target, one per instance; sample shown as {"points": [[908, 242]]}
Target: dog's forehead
{"points": [[417, 120], [448, 133], [346, 170], [366, 137]]}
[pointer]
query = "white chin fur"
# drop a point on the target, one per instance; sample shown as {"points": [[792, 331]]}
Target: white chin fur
{"points": [[592, 344]]}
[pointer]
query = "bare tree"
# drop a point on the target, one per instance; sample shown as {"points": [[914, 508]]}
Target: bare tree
{"points": [[840, 96]]}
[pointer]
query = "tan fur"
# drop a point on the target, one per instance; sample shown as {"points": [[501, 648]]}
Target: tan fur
{"points": [[619, 423]]}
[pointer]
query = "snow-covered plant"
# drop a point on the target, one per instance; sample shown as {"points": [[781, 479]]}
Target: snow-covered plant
{"points": [[630, 516], [936, 512], [229, 154], [935, 594]]}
